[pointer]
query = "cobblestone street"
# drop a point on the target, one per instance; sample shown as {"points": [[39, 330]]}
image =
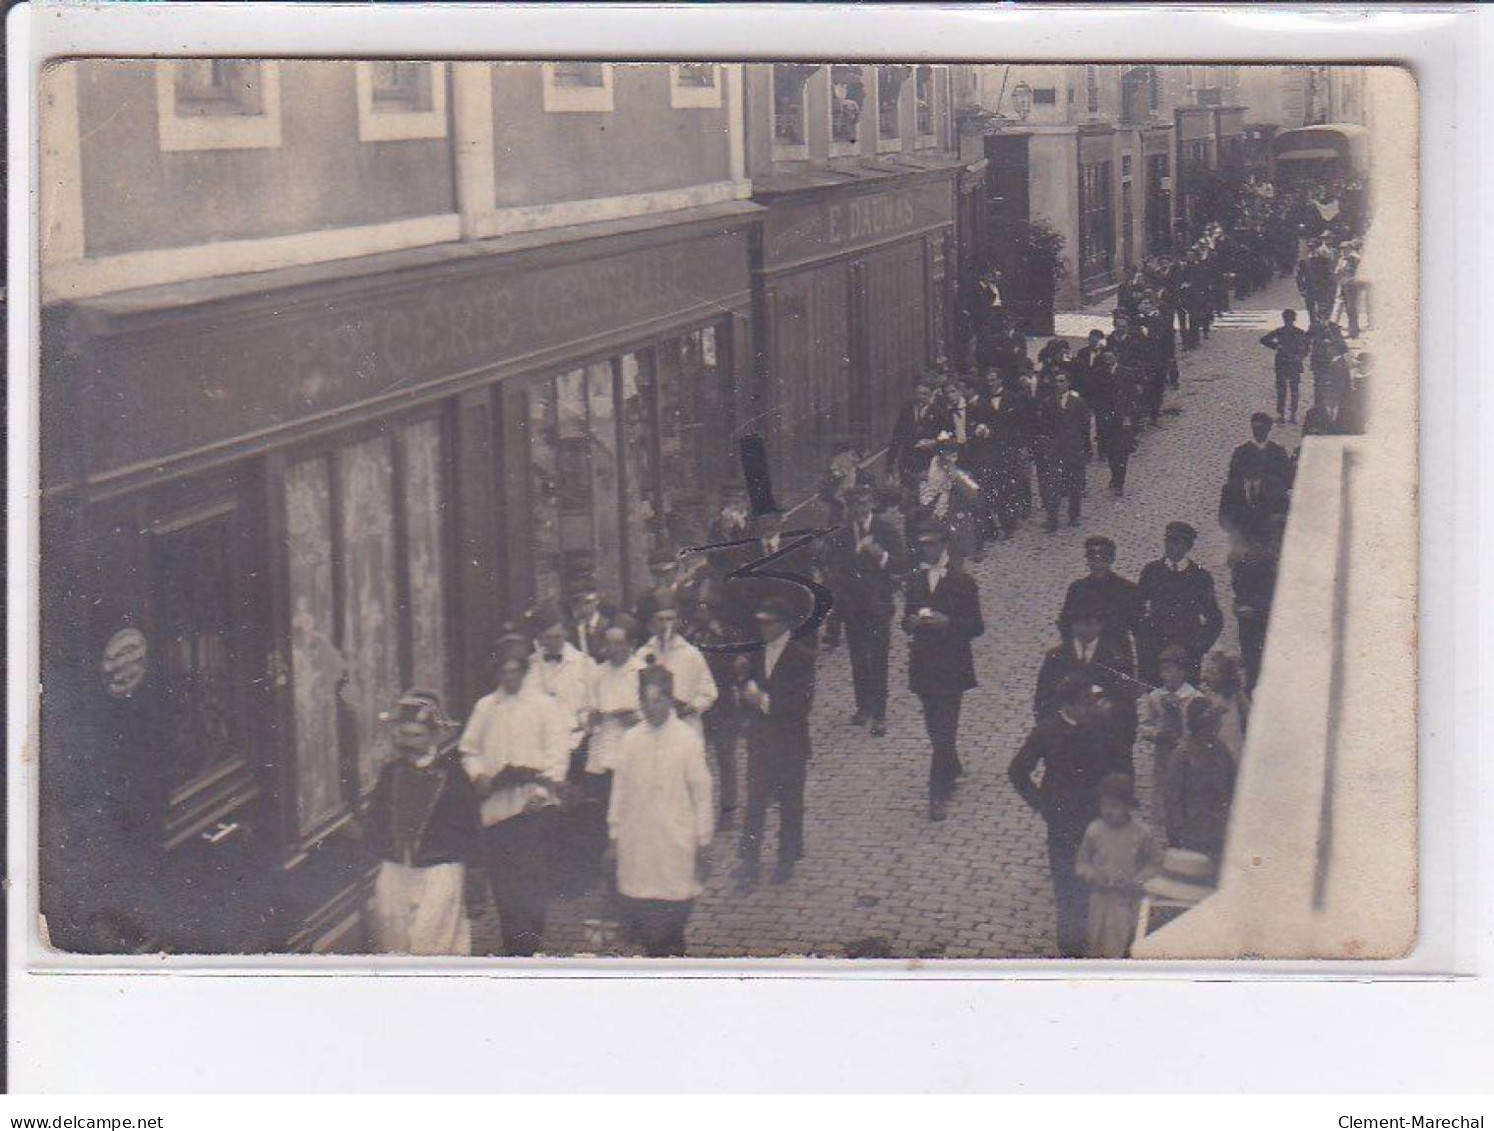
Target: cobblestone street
{"points": [[878, 878]]}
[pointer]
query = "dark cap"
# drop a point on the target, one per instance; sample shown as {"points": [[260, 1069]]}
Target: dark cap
{"points": [[545, 615], [582, 586], [776, 608], [1182, 530], [1262, 418]]}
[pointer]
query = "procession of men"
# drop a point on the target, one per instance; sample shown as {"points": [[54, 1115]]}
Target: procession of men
{"points": [[631, 747]]}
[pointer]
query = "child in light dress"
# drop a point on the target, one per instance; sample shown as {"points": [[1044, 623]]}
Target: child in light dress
{"points": [[1119, 853]]}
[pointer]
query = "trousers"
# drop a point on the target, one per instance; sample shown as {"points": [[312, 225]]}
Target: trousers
{"points": [[1070, 894], [421, 910], [941, 716], [1288, 381], [774, 774], [1252, 646], [520, 855], [723, 731], [869, 638], [1065, 481], [658, 925]]}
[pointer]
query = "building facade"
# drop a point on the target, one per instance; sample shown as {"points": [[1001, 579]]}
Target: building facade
{"points": [[344, 364], [1086, 149], [859, 173]]}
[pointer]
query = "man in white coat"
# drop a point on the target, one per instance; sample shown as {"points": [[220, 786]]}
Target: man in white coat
{"points": [[661, 818], [694, 686]]}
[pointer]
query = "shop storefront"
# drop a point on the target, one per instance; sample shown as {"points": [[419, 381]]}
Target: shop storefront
{"points": [[272, 504], [853, 285]]}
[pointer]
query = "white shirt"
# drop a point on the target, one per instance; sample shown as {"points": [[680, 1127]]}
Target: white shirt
{"points": [[529, 730], [661, 810], [1180, 565], [694, 685], [1085, 652], [864, 535], [568, 682], [773, 652], [614, 687], [937, 571]]}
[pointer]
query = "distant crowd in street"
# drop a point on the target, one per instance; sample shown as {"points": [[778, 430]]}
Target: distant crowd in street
{"points": [[623, 737]]}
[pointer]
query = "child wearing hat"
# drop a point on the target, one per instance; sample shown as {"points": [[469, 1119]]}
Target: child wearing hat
{"points": [[1160, 717], [423, 820], [1119, 853]]}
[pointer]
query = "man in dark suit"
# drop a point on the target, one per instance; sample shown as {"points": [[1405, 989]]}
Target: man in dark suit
{"points": [[1085, 653], [1001, 423], [866, 564], [776, 698], [1068, 433], [1277, 460], [1086, 364], [1251, 500], [1178, 605], [913, 436], [1253, 574], [589, 619], [1062, 745], [941, 615], [1116, 597]]}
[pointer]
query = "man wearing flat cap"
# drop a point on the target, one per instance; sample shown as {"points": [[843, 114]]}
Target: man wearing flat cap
{"points": [[1116, 597], [941, 615], [1178, 605], [1276, 460], [776, 700]]}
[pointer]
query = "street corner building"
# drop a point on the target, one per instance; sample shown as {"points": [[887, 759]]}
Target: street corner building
{"points": [[349, 365]]}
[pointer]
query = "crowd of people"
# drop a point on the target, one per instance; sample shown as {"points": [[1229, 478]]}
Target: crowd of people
{"points": [[607, 757]]}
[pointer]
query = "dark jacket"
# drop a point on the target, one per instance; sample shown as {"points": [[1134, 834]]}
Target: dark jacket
{"points": [[1108, 669], [1179, 607], [1119, 601], [1278, 460], [1068, 798], [1068, 427], [1253, 578], [1250, 517], [940, 661], [424, 817], [596, 644], [911, 427], [1197, 789], [783, 731], [1291, 345], [861, 581]]}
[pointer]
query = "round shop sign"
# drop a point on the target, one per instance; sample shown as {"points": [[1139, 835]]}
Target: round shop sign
{"points": [[123, 665]]}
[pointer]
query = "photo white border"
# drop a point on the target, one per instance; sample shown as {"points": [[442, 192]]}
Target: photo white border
{"points": [[957, 1025]]}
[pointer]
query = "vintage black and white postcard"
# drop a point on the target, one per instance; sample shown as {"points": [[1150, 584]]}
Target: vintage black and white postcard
{"points": [[860, 509]]}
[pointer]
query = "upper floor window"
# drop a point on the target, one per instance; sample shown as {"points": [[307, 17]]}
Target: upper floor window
{"points": [[790, 127], [890, 81], [1045, 96], [847, 103], [217, 86], [1092, 88], [695, 86], [578, 86], [218, 104], [923, 100], [401, 100]]}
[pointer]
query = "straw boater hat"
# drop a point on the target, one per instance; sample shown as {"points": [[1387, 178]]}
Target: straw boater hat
{"points": [[1186, 876]]}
